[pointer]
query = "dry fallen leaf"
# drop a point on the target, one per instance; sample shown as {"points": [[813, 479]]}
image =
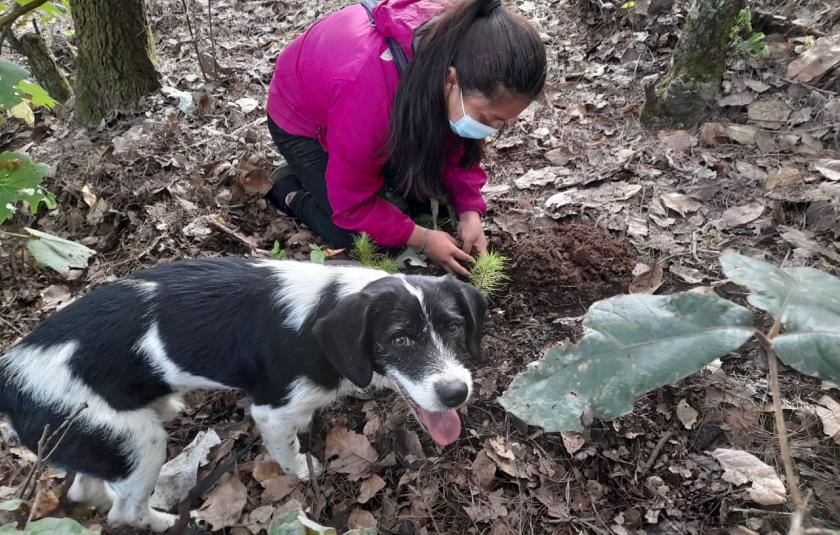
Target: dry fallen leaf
{"points": [[686, 414], [573, 442], [769, 113], [647, 282], [88, 196], [256, 182], [680, 203], [360, 519], [740, 467], [537, 177], [224, 504], [710, 133], [830, 169], [54, 296], [370, 487], [483, 471], [265, 469], [502, 453], [179, 475], [784, 176], [741, 215], [688, 274], [47, 502], [349, 453], [677, 140], [829, 412], [817, 60], [277, 488]]}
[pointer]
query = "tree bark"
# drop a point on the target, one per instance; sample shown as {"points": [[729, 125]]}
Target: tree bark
{"points": [[117, 62], [686, 96], [43, 65]]}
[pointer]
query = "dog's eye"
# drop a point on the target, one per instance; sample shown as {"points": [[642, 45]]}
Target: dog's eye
{"points": [[454, 328], [401, 341]]}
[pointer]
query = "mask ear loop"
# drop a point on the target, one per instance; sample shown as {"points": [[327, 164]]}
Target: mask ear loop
{"points": [[463, 109]]}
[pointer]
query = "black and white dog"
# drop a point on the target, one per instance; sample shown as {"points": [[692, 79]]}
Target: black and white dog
{"points": [[294, 336]]}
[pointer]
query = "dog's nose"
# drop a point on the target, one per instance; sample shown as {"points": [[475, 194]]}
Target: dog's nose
{"points": [[452, 393]]}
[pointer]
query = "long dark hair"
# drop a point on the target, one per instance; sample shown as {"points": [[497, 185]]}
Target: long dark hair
{"points": [[493, 51]]}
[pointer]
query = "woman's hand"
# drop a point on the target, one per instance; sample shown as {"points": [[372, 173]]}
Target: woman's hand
{"points": [[471, 232], [440, 247]]}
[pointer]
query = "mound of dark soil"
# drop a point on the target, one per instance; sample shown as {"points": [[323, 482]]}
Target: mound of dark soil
{"points": [[573, 266]]}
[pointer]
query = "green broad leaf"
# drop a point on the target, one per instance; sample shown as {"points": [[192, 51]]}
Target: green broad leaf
{"points": [[277, 252], [12, 504], [51, 526], [632, 345], [316, 254], [58, 253], [10, 76], [296, 523], [37, 94], [807, 303], [22, 111], [20, 181]]}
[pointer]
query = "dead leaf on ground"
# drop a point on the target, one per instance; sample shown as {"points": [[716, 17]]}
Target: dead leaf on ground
{"points": [[686, 414], [757, 85], [740, 467], [750, 171], [769, 113], [736, 99], [483, 471], [370, 487], [265, 469], [513, 222], [784, 176], [54, 296], [830, 169], [361, 519], [47, 502], [688, 274], [492, 508], [349, 453], [649, 281], [817, 60], [558, 157], [711, 133], [741, 215], [537, 177], [503, 455], [256, 182], [179, 475], [677, 140], [829, 412], [277, 488], [223, 506], [680, 203], [573, 442], [88, 196]]}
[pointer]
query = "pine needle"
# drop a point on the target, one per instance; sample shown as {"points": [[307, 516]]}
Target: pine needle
{"points": [[364, 251], [489, 273]]}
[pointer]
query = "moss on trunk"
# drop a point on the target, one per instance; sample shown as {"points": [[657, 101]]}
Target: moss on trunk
{"points": [[686, 94], [117, 63]]}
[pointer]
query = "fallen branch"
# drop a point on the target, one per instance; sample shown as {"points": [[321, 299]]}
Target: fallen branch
{"points": [[195, 43], [244, 239], [655, 453]]}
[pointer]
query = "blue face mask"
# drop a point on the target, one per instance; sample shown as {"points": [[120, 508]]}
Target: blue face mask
{"points": [[468, 127]]}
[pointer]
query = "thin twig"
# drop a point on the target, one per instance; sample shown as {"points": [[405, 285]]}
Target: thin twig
{"points": [[244, 239], [655, 453], [16, 235], [195, 43], [781, 428], [212, 38], [313, 477]]}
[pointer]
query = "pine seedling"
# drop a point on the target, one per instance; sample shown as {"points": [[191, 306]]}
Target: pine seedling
{"points": [[364, 251], [489, 273]]}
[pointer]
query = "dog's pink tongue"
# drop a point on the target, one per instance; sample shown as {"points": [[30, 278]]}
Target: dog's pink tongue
{"points": [[443, 427]]}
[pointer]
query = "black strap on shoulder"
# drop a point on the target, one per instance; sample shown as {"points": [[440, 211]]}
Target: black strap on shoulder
{"points": [[397, 52]]}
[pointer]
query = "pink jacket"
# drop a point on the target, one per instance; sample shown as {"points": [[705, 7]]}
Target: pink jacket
{"points": [[336, 83]]}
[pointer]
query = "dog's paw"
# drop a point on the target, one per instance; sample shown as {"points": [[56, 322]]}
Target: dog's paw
{"points": [[300, 469]]}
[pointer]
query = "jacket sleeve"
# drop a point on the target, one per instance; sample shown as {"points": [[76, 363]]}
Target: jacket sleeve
{"points": [[464, 185], [357, 132]]}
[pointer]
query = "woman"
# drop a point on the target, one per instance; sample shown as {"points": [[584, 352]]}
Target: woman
{"points": [[355, 122]]}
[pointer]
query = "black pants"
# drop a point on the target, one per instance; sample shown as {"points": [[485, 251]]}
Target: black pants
{"points": [[307, 163], [306, 174]]}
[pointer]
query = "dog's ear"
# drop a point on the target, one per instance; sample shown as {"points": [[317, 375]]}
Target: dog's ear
{"points": [[343, 335], [473, 305]]}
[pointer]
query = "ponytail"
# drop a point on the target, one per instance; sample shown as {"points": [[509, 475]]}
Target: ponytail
{"points": [[492, 50]]}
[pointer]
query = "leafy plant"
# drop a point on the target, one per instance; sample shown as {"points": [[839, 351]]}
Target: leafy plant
{"points": [[277, 252], [635, 343], [20, 181], [18, 95], [365, 251], [297, 523], [489, 273], [57, 253], [744, 39], [53, 526], [317, 255]]}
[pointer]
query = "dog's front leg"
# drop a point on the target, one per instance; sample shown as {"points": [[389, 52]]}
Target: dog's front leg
{"points": [[279, 427]]}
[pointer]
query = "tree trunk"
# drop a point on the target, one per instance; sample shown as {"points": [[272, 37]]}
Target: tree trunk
{"points": [[43, 65], [687, 93], [117, 63]]}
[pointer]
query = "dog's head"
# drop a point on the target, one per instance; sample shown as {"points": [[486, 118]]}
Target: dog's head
{"points": [[415, 330]]}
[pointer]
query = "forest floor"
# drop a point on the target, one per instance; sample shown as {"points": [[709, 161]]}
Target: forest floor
{"points": [[581, 196]]}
